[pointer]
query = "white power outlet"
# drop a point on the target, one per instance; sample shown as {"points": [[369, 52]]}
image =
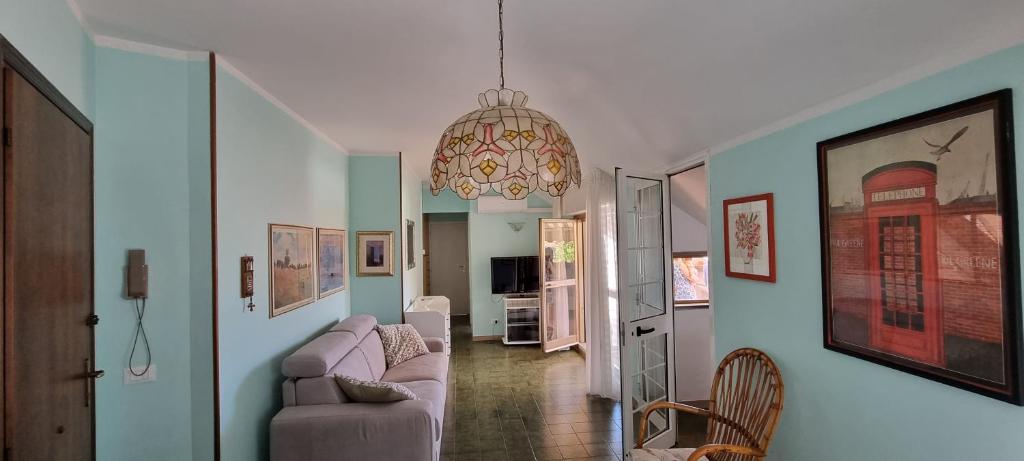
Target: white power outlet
{"points": [[130, 378]]}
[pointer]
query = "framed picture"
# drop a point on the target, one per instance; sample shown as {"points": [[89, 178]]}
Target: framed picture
{"points": [[690, 279], [410, 244], [291, 268], [332, 262], [750, 237], [376, 253], [919, 246]]}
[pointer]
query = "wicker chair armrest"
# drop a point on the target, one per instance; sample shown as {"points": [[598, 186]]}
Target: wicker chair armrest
{"points": [[670, 405], [692, 410]]}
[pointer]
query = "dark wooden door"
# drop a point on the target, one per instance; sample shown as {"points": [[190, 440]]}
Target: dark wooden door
{"points": [[449, 259], [48, 279]]}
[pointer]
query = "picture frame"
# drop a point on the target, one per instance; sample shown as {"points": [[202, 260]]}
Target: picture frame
{"points": [[376, 253], [332, 261], [291, 267], [749, 226], [410, 244], [920, 255]]}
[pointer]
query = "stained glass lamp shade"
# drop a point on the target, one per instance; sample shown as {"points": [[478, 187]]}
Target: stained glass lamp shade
{"points": [[504, 147]]}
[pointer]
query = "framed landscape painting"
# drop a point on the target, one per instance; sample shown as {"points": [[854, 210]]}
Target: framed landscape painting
{"points": [[376, 253], [690, 279], [291, 268], [749, 224], [332, 263], [919, 246], [410, 244]]}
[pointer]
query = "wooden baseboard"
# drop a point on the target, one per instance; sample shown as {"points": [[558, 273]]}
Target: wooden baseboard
{"points": [[487, 338]]}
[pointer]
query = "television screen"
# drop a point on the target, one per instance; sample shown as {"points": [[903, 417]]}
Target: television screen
{"points": [[503, 275], [529, 274]]}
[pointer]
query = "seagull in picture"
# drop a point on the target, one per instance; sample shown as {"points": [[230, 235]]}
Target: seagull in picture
{"points": [[944, 149]]}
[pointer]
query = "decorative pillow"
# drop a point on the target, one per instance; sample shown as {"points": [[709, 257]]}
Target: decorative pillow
{"points": [[401, 342], [373, 391]]}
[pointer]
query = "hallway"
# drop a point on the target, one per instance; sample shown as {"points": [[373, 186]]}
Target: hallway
{"points": [[517, 403]]}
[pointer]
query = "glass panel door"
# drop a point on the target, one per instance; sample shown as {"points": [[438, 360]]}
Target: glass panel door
{"points": [[642, 207], [559, 273]]}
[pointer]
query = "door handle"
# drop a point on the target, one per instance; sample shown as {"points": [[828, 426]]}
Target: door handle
{"points": [[90, 377], [643, 331]]}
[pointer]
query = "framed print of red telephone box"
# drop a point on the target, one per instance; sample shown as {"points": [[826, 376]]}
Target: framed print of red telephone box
{"points": [[919, 246], [749, 224]]}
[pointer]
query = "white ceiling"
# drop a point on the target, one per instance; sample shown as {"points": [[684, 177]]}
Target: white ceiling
{"points": [[638, 83]]}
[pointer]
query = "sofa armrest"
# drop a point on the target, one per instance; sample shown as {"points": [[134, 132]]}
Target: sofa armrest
{"points": [[434, 344], [399, 430]]}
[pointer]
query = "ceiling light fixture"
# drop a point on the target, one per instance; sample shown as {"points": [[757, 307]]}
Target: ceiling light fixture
{"points": [[504, 147]]}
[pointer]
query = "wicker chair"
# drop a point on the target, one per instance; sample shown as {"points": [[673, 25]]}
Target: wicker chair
{"points": [[746, 402]]}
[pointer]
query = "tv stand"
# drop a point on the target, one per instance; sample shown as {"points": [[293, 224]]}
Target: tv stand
{"points": [[522, 319]]}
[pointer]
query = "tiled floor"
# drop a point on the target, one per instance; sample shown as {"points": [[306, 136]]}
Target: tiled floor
{"points": [[517, 403]]}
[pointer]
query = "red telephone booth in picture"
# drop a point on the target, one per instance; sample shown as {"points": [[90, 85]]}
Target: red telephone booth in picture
{"points": [[901, 212]]}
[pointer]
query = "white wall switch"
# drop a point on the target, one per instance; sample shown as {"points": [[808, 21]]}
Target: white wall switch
{"points": [[130, 378]]}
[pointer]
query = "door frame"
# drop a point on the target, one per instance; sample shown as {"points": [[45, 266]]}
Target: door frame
{"points": [[11, 58]]}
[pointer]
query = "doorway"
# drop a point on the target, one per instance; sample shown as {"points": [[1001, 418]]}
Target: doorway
{"points": [[693, 322], [48, 359], [446, 239]]}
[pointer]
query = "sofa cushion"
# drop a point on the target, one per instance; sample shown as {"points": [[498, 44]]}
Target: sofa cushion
{"points": [[373, 350], [318, 391], [358, 325], [354, 364], [319, 355], [373, 391], [401, 342], [432, 366], [655, 454], [434, 344], [435, 393]]}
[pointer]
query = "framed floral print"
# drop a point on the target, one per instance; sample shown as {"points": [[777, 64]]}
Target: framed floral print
{"points": [[291, 268], [332, 261], [749, 224], [919, 246], [376, 253]]}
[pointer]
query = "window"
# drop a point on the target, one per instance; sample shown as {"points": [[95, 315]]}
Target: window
{"points": [[690, 278]]}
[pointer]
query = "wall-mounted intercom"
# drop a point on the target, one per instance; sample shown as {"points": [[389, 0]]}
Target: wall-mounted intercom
{"points": [[247, 280], [137, 275], [136, 286]]}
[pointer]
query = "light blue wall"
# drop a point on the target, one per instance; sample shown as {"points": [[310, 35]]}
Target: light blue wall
{"points": [[142, 201], [412, 281], [490, 236], [49, 35], [840, 408], [201, 260], [375, 191], [270, 169]]}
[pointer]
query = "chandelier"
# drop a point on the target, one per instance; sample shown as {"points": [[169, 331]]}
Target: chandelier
{"points": [[504, 147]]}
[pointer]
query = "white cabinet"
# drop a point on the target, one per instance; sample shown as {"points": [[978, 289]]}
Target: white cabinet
{"points": [[431, 317], [522, 319]]}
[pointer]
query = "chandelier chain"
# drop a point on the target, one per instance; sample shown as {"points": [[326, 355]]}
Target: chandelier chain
{"points": [[501, 46]]}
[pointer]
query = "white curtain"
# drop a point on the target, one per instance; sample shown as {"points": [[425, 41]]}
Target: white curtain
{"points": [[602, 294]]}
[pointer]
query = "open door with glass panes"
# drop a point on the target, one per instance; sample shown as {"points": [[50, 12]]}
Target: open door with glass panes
{"points": [[559, 291], [645, 305]]}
